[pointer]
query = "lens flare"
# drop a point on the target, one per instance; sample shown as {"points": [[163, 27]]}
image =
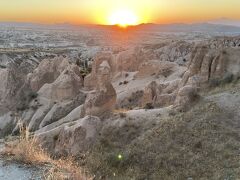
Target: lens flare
{"points": [[120, 157]]}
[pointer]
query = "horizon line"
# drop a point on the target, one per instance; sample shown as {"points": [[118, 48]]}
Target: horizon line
{"points": [[89, 24]]}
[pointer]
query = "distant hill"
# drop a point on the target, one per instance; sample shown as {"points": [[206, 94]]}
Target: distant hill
{"points": [[197, 27], [216, 26], [226, 21]]}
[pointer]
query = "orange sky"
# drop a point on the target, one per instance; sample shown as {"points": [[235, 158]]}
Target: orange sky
{"points": [[99, 11]]}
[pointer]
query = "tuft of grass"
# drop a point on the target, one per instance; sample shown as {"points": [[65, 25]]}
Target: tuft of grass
{"points": [[32, 95], [3, 66], [149, 106], [226, 79], [27, 150]]}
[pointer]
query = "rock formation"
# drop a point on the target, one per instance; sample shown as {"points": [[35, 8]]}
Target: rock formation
{"points": [[102, 100], [66, 111], [47, 72], [130, 60], [90, 81]]}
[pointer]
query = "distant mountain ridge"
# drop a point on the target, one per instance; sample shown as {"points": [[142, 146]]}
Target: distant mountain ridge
{"points": [[196, 27], [220, 25], [226, 21]]}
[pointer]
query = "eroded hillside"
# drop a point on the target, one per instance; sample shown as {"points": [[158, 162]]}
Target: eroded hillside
{"points": [[160, 109]]}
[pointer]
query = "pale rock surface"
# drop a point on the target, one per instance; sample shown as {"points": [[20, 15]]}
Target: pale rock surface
{"points": [[60, 110], [71, 138], [7, 124], [102, 100], [105, 59], [65, 87], [65, 90], [11, 79], [47, 72], [186, 97], [155, 67], [160, 95], [74, 115], [130, 60], [150, 93], [79, 136], [164, 100], [207, 65], [44, 107]]}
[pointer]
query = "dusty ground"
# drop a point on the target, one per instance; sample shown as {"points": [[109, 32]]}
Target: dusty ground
{"points": [[10, 170]]}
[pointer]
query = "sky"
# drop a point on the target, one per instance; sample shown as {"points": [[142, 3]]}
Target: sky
{"points": [[101, 11]]}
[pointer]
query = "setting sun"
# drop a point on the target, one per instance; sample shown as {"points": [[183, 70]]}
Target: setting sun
{"points": [[123, 18]]}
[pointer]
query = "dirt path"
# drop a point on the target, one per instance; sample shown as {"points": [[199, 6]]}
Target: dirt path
{"points": [[13, 171]]}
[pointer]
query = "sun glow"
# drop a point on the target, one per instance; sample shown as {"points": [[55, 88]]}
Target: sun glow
{"points": [[123, 18]]}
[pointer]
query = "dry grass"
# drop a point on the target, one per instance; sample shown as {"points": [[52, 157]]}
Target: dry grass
{"points": [[121, 112], [200, 144], [117, 111], [27, 150]]}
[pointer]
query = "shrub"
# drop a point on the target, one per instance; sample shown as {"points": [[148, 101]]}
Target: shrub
{"points": [[214, 82], [85, 71], [32, 95], [228, 78], [3, 66], [122, 115], [149, 106]]}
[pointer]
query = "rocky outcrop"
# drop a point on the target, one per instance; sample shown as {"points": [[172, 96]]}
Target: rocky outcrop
{"points": [[7, 124], [209, 65], [155, 68], [11, 79], [130, 60], [43, 107], [54, 100], [103, 99], [60, 110], [186, 97], [65, 87], [150, 93], [78, 136], [100, 102], [71, 138], [101, 59], [47, 72], [74, 115], [177, 51]]}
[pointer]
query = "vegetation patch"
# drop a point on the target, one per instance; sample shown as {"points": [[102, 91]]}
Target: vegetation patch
{"points": [[226, 79], [200, 144], [27, 150], [3, 66]]}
